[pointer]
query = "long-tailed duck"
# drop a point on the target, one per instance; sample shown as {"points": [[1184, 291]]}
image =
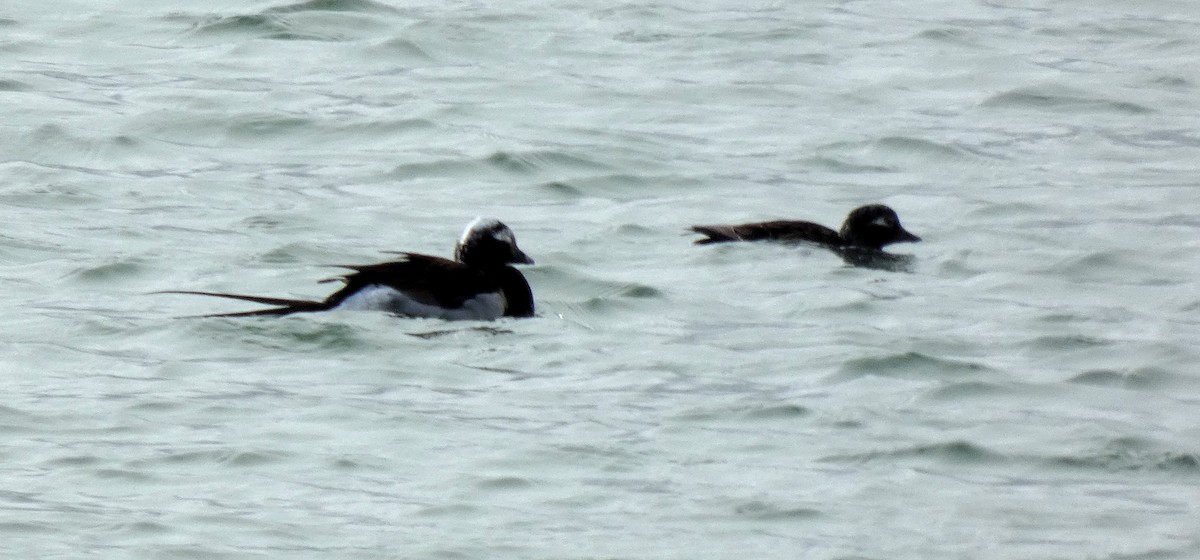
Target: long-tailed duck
{"points": [[867, 227], [478, 285]]}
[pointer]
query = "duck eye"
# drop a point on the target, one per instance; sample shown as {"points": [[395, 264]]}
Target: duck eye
{"points": [[881, 221]]}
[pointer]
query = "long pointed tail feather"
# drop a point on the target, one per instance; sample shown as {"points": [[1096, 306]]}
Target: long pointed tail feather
{"points": [[285, 306], [716, 234]]}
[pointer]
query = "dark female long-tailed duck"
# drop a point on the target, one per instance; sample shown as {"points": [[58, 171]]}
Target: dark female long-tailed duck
{"points": [[478, 285], [867, 227]]}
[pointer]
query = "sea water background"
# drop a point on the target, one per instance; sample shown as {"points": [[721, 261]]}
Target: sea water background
{"points": [[1029, 390]]}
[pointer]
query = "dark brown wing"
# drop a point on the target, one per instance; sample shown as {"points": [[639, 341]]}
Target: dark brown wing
{"points": [[425, 278], [781, 230]]}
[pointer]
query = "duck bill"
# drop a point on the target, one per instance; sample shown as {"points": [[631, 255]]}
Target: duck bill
{"points": [[904, 235], [518, 257]]}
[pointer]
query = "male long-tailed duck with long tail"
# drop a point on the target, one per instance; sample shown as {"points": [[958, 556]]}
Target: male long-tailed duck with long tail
{"points": [[867, 227], [478, 284]]}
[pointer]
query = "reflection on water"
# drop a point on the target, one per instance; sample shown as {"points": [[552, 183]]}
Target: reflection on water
{"points": [[879, 260]]}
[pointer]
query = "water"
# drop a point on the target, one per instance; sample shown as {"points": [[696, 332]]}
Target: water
{"points": [[1028, 390]]}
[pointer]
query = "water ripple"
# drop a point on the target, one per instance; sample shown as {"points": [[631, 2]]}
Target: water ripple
{"points": [[912, 365], [958, 452], [1062, 99], [517, 164], [1121, 454], [1144, 378], [765, 511], [367, 6], [1131, 454]]}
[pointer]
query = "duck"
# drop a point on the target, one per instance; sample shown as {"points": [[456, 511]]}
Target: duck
{"points": [[479, 284], [869, 228]]}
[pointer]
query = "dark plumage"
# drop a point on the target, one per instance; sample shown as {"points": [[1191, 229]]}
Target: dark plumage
{"points": [[479, 285], [867, 227]]}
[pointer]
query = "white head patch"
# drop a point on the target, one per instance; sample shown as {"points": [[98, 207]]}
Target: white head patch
{"points": [[480, 225], [504, 235]]}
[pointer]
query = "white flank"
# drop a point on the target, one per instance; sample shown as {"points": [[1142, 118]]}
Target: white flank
{"points": [[483, 307]]}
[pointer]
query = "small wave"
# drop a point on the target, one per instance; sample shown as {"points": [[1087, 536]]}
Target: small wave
{"points": [[644, 37], [286, 130], [366, 6], [788, 33], [216, 456], [956, 452], [1121, 267], [1061, 342], [110, 272], [447, 510], [268, 126], [124, 475], [616, 186], [753, 412], [949, 35], [1169, 138], [13, 85], [888, 154], [911, 365], [530, 162], [505, 483], [491, 331], [968, 390], [74, 148], [600, 304], [268, 26], [774, 512], [327, 336], [399, 47], [290, 253], [1122, 454], [75, 461], [561, 188], [1173, 82], [298, 333], [1147, 378], [582, 298], [520, 164], [780, 411], [16, 421], [247, 23], [141, 528], [1131, 454], [639, 291], [839, 165], [26, 528], [1061, 99], [919, 146]]}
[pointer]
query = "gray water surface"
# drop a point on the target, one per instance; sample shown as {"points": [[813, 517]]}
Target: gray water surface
{"points": [[1028, 389]]}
